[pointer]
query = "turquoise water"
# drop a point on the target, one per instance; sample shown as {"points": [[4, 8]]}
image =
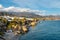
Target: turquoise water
{"points": [[46, 30]]}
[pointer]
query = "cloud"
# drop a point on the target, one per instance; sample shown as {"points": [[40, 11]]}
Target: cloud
{"points": [[1, 6], [18, 9]]}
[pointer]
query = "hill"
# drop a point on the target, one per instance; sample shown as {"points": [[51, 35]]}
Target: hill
{"points": [[20, 14]]}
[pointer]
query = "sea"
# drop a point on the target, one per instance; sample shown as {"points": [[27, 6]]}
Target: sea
{"points": [[44, 30]]}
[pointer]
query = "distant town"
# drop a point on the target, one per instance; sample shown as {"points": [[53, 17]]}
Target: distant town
{"points": [[29, 15]]}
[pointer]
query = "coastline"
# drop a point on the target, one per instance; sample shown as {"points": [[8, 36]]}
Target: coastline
{"points": [[14, 27]]}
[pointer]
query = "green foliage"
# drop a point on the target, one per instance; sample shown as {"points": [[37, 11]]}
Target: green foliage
{"points": [[1, 33]]}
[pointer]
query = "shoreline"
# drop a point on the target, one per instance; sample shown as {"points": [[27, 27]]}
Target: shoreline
{"points": [[15, 26]]}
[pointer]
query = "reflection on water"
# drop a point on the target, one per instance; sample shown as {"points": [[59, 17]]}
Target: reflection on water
{"points": [[47, 30]]}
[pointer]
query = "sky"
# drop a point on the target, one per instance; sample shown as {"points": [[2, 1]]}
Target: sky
{"points": [[46, 7]]}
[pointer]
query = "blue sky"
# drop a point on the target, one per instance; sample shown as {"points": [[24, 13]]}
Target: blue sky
{"points": [[51, 6]]}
